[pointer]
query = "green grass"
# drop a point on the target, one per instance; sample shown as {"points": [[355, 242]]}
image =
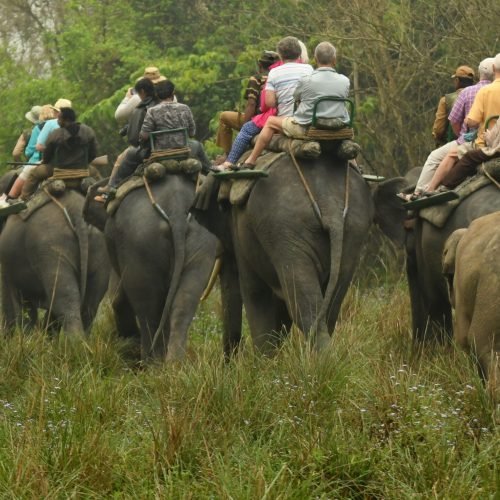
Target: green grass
{"points": [[372, 418]]}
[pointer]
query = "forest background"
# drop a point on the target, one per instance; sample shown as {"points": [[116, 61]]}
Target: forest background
{"points": [[399, 55]]}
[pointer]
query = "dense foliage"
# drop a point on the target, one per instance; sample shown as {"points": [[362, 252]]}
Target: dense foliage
{"points": [[398, 53]]}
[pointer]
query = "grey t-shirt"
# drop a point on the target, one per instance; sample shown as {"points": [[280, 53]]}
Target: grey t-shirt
{"points": [[320, 83]]}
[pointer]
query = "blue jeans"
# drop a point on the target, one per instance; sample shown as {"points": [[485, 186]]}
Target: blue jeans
{"points": [[242, 141]]}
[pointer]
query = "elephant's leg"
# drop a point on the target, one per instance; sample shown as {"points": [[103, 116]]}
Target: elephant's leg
{"points": [[149, 315], [419, 313], [11, 305], [126, 323], [63, 297], [283, 321], [96, 287], [304, 298], [32, 315], [260, 311], [484, 339], [232, 305]]}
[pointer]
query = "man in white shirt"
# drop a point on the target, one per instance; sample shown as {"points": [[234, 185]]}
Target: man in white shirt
{"points": [[324, 81]]}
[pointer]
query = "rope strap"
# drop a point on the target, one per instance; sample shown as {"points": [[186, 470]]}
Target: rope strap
{"points": [[165, 154], [330, 135], [63, 208], [70, 173], [490, 177], [155, 205]]}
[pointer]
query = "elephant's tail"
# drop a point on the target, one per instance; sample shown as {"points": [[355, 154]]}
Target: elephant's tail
{"points": [[336, 243], [178, 230]]}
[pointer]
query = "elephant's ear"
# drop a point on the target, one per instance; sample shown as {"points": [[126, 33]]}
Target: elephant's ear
{"points": [[389, 212], [450, 251]]}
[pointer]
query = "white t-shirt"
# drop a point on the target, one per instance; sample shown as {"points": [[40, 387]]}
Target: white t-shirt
{"points": [[283, 80]]}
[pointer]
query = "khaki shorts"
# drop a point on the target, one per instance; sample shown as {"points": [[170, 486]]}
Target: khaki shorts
{"points": [[465, 148], [292, 129]]}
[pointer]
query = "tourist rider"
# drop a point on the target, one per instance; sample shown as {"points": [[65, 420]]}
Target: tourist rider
{"points": [[168, 114], [324, 81], [47, 113], [132, 99], [71, 146], [456, 118], [233, 120], [441, 130], [33, 116]]}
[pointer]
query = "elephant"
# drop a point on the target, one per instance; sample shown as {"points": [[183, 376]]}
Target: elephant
{"points": [[54, 261], [430, 303], [471, 265], [290, 256], [162, 258]]}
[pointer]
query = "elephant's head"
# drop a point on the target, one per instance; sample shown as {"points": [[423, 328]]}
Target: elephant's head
{"points": [[94, 212], [211, 213], [390, 214]]}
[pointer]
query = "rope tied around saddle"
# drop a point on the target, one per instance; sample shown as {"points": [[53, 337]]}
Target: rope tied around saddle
{"points": [[63, 208], [157, 207], [70, 173], [330, 135], [165, 154]]}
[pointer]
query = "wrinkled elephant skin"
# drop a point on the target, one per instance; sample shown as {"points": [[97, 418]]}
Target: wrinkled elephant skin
{"points": [[292, 267], [475, 272], [157, 261], [46, 264]]}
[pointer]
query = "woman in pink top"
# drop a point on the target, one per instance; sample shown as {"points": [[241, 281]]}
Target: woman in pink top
{"points": [[249, 130]]}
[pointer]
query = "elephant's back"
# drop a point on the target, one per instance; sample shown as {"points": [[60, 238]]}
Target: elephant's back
{"points": [[284, 195]]}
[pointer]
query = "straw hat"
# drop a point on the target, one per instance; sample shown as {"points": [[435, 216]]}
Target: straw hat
{"points": [[33, 115], [62, 103], [153, 73]]}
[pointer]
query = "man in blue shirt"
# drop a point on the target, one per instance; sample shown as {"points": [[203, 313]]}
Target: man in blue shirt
{"points": [[51, 125]]}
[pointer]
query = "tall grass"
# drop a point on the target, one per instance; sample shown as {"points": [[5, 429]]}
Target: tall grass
{"points": [[370, 418]]}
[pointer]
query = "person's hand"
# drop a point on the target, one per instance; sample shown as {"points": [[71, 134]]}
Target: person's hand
{"points": [[129, 93]]}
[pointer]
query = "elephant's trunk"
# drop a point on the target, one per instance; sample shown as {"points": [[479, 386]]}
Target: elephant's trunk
{"points": [[178, 230]]}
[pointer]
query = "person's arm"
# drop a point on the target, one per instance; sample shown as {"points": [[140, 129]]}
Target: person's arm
{"points": [[440, 122], [270, 99], [476, 114], [49, 150], [17, 152], [148, 126], [125, 108], [191, 124], [250, 109], [457, 114], [252, 94], [43, 136], [472, 123]]}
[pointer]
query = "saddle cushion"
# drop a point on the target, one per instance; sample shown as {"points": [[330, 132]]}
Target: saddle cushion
{"points": [[39, 200], [241, 188]]}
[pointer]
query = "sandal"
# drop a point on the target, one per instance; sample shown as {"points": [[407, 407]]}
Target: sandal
{"points": [[102, 198], [244, 166]]}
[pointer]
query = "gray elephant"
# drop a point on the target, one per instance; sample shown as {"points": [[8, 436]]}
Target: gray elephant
{"points": [[293, 263], [53, 260], [471, 264], [431, 309], [163, 259]]}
